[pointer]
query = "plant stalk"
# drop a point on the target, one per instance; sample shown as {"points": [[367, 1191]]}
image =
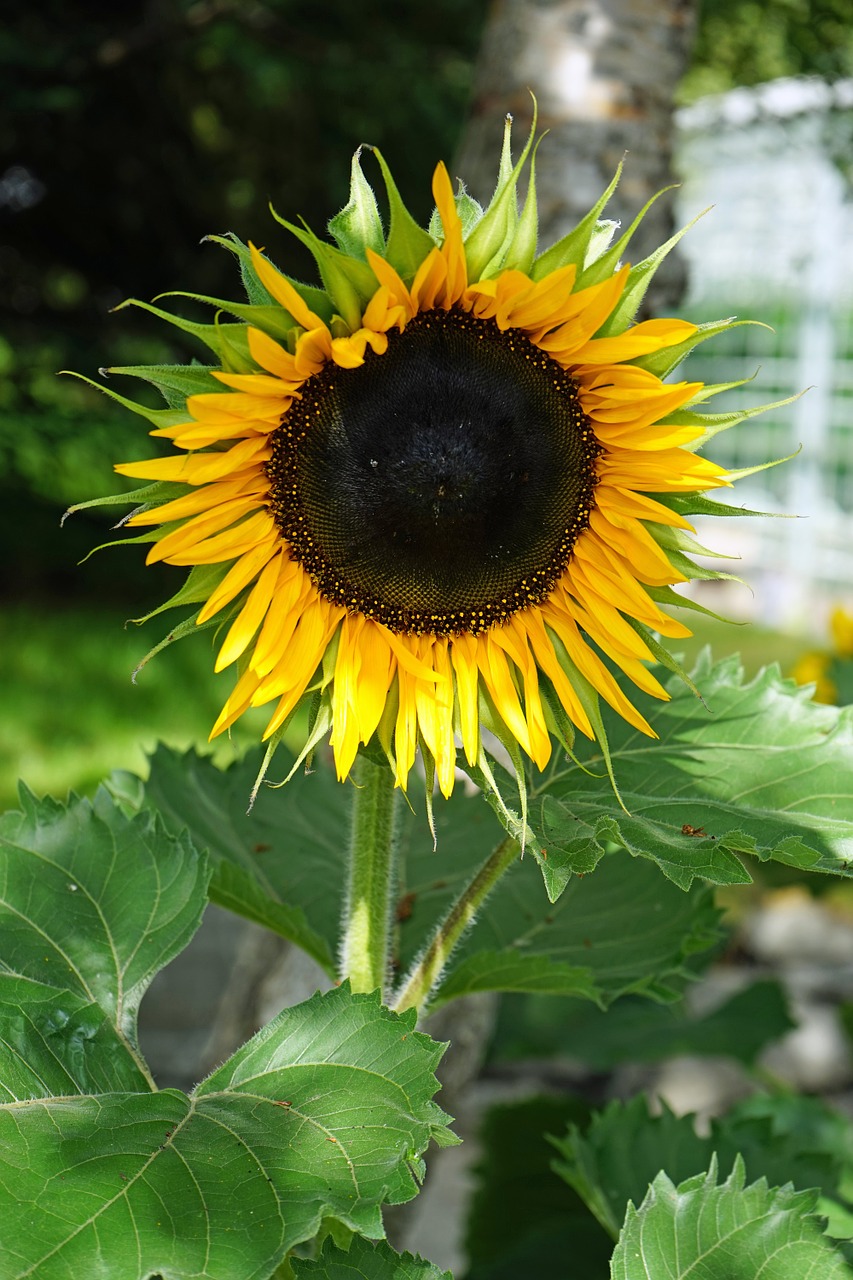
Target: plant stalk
{"points": [[423, 978], [373, 844]]}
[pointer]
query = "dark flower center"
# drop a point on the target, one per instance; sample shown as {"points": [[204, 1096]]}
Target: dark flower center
{"points": [[438, 487]]}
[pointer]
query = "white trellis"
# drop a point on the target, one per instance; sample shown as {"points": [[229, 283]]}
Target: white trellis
{"points": [[778, 247]]}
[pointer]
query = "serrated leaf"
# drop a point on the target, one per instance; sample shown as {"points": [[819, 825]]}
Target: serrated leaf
{"points": [[366, 1261], [725, 1232], [324, 1114], [610, 933], [619, 1154], [276, 866], [757, 770], [81, 883]]}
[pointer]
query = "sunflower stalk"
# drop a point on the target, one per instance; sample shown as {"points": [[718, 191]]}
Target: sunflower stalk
{"points": [[424, 977], [366, 937]]}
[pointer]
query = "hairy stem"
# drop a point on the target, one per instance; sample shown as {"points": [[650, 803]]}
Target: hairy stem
{"points": [[423, 978], [373, 840]]}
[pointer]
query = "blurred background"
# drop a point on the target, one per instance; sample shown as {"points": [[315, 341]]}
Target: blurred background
{"points": [[130, 132]]}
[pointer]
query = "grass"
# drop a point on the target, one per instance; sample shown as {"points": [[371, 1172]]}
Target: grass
{"points": [[71, 714]]}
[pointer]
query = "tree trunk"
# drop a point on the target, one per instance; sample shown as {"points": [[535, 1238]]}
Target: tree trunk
{"points": [[604, 74]]}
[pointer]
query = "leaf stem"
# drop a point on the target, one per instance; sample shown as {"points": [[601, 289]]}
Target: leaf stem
{"points": [[373, 846], [425, 975]]}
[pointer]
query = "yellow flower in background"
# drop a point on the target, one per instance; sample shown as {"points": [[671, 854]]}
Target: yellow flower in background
{"points": [[813, 668], [825, 669], [841, 625], [448, 491]]}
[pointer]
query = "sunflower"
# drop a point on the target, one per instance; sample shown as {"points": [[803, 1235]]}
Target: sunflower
{"points": [[446, 492]]}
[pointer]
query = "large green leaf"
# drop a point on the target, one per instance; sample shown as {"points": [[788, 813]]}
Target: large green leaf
{"points": [[759, 771], [92, 905], [623, 1149], [276, 864], [324, 1114], [703, 1231], [366, 1261], [633, 1031], [617, 931]]}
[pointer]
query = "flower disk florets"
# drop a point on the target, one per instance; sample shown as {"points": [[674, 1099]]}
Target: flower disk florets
{"points": [[441, 486]]}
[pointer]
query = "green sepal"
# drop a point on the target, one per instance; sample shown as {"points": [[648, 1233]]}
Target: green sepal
{"points": [[574, 246], [408, 244], [639, 278], [234, 348], [319, 728], [358, 226], [600, 240], [489, 241], [699, 504], [743, 472], [149, 495], [175, 382], [150, 535], [491, 719], [470, 212], [522, 250], [158, 417], [663, 655], [349, 283], [483, 776], [671, 539], [604, 266], [666, 595], [692, 572], [589, 700], [273, 319], [388, 721], [429, 787], [708, 390], [258, 295], [202, 580], [211, 335], [664, 361], [188, 627], [559, 723], [712, 424]]}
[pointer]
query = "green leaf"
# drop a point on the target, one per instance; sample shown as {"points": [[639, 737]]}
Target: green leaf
{"points": [[81, 885], [366, 1261], [726, 1232], [632, 1030], [524, 1221], [617, 931], [358, 226], [757, 769], [274, 865], [610, 933], [324, 1114], [624, 1148]]}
